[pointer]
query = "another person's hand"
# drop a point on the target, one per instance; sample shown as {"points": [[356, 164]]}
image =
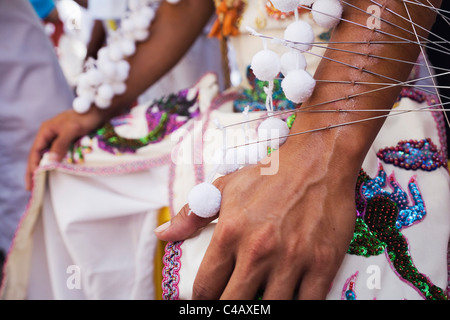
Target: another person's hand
{"points": [[55, 136], [167, 44]]}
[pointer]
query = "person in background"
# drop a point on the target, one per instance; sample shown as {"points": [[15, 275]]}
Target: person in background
{"points": [[33, 90]]}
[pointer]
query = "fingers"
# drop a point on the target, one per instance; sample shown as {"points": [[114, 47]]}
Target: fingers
{"points": [[244, 284], [282, 284], [215, 270], [42, 141], [314, 286], [60, 145], [185, 223], [182, 226], [56, 135]]}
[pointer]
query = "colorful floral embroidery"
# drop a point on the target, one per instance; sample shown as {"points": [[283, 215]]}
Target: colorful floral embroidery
{"points": [[408, 214], [414, 155], [170, 271], [163, 117], [383, 214]]}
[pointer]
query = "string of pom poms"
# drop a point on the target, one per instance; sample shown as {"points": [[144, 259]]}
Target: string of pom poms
{"points": [[295, 63], [204, 199], [105, 77]]}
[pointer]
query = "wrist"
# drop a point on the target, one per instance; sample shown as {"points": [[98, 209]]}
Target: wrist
{"points": [[336, 149]]}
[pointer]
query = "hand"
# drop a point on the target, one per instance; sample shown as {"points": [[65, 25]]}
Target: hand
{"points": [[56, 135], [285, 234]]}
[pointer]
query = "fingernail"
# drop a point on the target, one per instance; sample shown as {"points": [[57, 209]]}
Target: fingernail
{"points": [[163, 227], [52, 157]]}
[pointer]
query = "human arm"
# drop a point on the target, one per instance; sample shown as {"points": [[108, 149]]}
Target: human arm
{"points": [[97, 39], [287, 233], [173, 31]]}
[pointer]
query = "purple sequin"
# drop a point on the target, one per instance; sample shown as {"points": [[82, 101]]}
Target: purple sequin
{"points": [[414, 155]]}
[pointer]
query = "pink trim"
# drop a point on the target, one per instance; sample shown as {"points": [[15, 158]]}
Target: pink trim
{"points": [[216, 103], [115, 169], [170, 272], [448, 269]]}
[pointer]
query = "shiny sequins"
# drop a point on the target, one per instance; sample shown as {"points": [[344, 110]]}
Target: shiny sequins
{"points": [[414, 155], [408, 213], [381, 215]]}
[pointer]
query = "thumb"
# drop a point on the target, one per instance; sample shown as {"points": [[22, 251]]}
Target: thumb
{"points": [[182, 226]]}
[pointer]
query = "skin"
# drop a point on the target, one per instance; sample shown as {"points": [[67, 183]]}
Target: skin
{"points": [[288, 243], [172, 34], [291, 243]]}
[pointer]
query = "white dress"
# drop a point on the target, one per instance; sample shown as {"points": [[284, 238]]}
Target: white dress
{"points": [[88, 232], [27, 57], [399, 248]]}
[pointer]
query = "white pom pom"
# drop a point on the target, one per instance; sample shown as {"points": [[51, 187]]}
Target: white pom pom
{"points": [[105, 92], [83, 81], [300, 32], [250, 154], [275, 130], [255, 153], [327, 13], [122, 70], [285, 5], [127, 46], [94, 77], [86, 92], [119, 87], [81, 104], [107, 67], [292, 60], [141, 21], [140, 34], [204, 200], [266, 65], [173, 1], [306, 2], [114, 51], [127, 25], [102, 53], [102, 103], [148, 12], [227, 164], [298, 85], [134, 4]]}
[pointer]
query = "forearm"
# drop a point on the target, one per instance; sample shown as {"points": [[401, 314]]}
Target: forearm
{"points": [[97, 40], [172, 32], [349, 144]]}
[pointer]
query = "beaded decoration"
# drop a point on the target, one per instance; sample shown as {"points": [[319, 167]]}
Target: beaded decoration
{"points": [[348, 293], [381, 216], [414, 155]]}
